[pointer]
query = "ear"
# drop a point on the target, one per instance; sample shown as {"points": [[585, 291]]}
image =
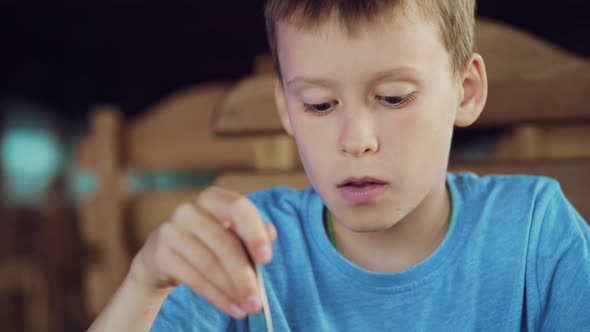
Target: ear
{"points": [[282, 107], [473, 91]]}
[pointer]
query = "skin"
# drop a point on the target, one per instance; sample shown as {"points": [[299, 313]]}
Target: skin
{"points": [[361, 134]]}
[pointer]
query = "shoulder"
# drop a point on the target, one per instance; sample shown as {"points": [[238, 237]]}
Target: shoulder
{"points": [[536, 200], [519, 209], [517, 192], [499, 182], [558, 225], [500, 213], [534, 204]]}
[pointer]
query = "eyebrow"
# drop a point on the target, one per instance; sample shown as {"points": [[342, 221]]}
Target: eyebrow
{"points": [[302, 80], [405, 72], [395, 73]]}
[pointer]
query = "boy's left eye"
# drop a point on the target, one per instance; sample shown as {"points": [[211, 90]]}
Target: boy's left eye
{"points": [[321, 109], [394, 101]]}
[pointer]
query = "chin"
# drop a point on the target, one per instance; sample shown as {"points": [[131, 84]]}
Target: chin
{"points": [[371, 229], [374, 226]]}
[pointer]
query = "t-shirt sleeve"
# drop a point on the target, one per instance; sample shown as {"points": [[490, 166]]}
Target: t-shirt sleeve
{"points": [[184, 310], [563, 267]]}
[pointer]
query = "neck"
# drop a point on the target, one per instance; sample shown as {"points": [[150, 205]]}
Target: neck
{"points": [[411, 239]]}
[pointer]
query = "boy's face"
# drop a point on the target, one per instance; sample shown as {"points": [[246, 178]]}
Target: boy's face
{"points": [[378, 106]]}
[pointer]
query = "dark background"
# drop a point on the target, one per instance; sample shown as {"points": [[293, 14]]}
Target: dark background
{"points": [[68, 55]]}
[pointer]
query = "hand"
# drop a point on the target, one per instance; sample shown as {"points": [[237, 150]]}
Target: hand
{"points": [[207, 244]]}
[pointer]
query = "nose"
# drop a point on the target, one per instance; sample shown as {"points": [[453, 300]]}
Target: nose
{"points": [[358, 136]]}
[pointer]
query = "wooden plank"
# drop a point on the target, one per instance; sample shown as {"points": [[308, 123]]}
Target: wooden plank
{"points": [[176, 134], [276, 153], [111, 264], [249, 109], [248, 182], [558, 141], [146, 210], [25, 276], [84, 153]]}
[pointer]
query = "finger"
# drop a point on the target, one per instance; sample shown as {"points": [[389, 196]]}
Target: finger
{"points": [[199, 256], [271, 231], [178, 269], [227, 205], [228, 250]]}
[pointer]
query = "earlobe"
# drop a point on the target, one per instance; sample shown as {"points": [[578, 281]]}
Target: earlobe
{"points": [[282, 107], [473, 91]]}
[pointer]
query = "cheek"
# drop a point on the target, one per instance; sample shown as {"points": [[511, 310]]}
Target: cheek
{"points": [[417, 138], [315, 158], [435, 138], [314, 146], [313, 140], [403, 133]]}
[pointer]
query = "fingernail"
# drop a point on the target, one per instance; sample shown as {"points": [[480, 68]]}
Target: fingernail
{"points": [[251, 303], [237, 310], [263, 253]]}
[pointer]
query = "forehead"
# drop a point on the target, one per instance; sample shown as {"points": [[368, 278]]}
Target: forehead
{"points": [[403, 38]]}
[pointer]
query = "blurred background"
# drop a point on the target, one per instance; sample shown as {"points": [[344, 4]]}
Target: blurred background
{"points": [[58, 59]]}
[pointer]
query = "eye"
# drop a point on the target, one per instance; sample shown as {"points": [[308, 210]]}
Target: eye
{"points": [[395, 101], [320, 109]]}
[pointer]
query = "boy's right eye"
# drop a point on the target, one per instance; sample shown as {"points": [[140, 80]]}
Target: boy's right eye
{"points": [[320, 109]]}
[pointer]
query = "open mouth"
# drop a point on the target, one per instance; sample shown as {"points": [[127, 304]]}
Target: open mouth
{"points": [[361, 190], [361, 183]]}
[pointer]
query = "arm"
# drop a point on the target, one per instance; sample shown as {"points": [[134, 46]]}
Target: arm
{"points": [[132, 308], [205, 245]]}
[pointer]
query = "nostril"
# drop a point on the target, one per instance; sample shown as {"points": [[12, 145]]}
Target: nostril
{"points": [[360, 147]]}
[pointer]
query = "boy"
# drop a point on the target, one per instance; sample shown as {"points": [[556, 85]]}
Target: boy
{"points": [[386, 239]]}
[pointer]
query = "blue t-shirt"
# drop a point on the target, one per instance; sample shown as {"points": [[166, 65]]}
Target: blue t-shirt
{"points": [[516, 257]]}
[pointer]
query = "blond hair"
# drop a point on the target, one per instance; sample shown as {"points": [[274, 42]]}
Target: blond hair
{"points": [[455, 20]]}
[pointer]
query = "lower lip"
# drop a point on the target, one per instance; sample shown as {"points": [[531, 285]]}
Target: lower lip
{"points": [[364, 194]]}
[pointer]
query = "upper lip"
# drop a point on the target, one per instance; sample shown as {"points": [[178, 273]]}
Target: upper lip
{"points": [[360, 181]]}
